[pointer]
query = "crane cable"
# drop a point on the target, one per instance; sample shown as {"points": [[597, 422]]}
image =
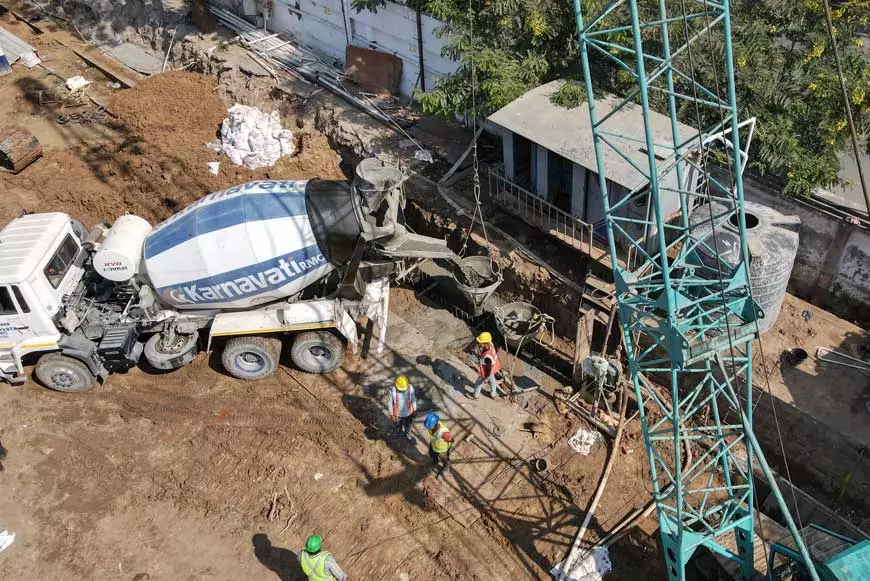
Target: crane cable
{"points": [[478, 206], [732, 178], [703, 162]]}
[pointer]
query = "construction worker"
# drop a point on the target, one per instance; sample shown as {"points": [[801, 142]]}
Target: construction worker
{"points": [[488, 366], [319, 565], [403, 404], [440, 442]]}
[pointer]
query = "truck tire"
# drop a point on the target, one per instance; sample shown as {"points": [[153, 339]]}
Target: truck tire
{"points": [[166, 357], [62, 373], [252, 358], [317, 352]]}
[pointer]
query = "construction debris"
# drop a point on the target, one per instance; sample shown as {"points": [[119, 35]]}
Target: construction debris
{"points": [[296, 61], [133, 57], [83, 117], [18, 148], [6, 539], [13, 48], [254, 139], [77, 82], [583, 440], [592, 568]]}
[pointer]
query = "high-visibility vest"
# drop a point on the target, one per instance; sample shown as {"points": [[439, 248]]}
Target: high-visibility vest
{"points": [[490, 356], [409, 398], [314, 566], [438, 443]]}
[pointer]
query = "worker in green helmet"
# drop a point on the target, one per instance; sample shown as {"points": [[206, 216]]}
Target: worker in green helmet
{"points": [[319, 565]]}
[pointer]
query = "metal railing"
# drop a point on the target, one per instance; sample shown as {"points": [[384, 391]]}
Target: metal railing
{"points": [[539, 212]]}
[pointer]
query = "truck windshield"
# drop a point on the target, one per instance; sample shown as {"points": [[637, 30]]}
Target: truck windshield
{"points": [[61, 261], [7, 307]]}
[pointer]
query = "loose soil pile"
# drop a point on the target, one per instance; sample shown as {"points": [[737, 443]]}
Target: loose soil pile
{"points": [[176, 109], [152, 159]]}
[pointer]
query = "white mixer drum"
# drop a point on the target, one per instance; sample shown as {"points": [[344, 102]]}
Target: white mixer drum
{"points": [[244, 246], [120, 255]]}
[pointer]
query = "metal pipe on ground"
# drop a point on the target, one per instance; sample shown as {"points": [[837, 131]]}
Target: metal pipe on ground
{"points": [[576, 548]]}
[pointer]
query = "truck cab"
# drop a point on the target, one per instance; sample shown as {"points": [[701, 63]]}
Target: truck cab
{"points": [[41, 258]]}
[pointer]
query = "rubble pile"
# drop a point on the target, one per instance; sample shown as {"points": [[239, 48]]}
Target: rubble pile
{"points": [[254, 139]]}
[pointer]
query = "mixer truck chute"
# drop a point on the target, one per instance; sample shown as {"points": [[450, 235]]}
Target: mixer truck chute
{"points": [[242, 269]]}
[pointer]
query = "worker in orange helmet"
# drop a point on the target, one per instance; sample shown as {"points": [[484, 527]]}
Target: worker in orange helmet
{"points": [[488, 366], [403, 407]]}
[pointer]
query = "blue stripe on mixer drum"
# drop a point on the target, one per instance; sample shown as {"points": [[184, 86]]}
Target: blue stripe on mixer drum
{"points": [[247, 281], [202, 218]]}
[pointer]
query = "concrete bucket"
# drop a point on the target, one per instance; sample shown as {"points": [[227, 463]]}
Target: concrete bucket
{"points": [[476, 279], [520, 323]]}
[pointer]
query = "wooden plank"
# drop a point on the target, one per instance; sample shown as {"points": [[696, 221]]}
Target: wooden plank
{"points": [[96, 59]]}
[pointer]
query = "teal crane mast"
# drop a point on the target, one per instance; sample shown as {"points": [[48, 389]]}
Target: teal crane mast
{"points": [[687, 315]]}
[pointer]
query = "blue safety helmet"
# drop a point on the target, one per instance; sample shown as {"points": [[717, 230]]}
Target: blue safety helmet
{"points": [[431, 421]]}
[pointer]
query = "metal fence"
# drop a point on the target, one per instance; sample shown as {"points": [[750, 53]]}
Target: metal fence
{"points": [[539, 212]]}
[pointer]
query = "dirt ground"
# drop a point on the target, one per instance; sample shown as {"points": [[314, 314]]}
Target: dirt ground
{"points": [[832, 393], [196, 475]]}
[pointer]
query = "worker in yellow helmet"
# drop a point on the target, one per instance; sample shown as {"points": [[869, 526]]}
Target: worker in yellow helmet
{"points": [[488, 366], [319, 565], [403, 406]]}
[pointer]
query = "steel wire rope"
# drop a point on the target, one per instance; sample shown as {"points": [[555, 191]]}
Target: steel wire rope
{"points": [[756, 505], [732, 181], [478, 207], [758, 331]]}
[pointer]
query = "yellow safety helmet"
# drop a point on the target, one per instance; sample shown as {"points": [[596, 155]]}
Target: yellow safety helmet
{"points": [[484, 338], [401, 383]]}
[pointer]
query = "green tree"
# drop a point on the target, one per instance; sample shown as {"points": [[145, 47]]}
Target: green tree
{"points": [[785, 73]]}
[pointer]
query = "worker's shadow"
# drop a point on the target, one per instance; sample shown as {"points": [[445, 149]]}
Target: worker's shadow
{"points": [[415, 465], [282, 562]]}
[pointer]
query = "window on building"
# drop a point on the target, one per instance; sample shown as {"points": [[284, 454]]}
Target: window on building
{"points": [[61, 261]]}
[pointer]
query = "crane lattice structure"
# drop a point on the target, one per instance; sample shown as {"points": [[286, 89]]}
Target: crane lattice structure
{"points": [[688, 319]]}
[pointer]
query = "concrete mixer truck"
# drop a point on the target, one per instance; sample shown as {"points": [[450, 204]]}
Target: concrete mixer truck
{"points": [[246, 270]]}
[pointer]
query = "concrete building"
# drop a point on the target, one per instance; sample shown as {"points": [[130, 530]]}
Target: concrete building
{"points": [[548, 152]]}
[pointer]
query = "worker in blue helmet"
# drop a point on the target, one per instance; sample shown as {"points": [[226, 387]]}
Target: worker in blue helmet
{"points": [[440, 442]]}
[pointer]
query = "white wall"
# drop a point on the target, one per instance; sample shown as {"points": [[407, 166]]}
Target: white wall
{"points": [[326, 26]]}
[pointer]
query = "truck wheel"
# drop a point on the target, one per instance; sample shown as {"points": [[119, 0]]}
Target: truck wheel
{"points": [[161, 355], [63, 373], [317, 352], [251, 358]]}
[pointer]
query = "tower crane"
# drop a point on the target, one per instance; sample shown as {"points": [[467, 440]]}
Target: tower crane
{"points": [[687, 315]]}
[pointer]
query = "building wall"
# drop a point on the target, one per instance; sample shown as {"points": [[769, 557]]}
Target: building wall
{"points": [[327, 26], [832, 267]]}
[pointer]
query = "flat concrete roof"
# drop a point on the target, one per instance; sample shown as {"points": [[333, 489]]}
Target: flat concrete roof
{"points": [[568, 132]]}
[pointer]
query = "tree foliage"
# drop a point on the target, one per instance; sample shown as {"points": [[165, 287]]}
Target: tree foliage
{"points": [[784, 70]]}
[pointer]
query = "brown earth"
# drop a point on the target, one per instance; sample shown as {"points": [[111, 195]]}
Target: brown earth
{"points": [[195, 475]]}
